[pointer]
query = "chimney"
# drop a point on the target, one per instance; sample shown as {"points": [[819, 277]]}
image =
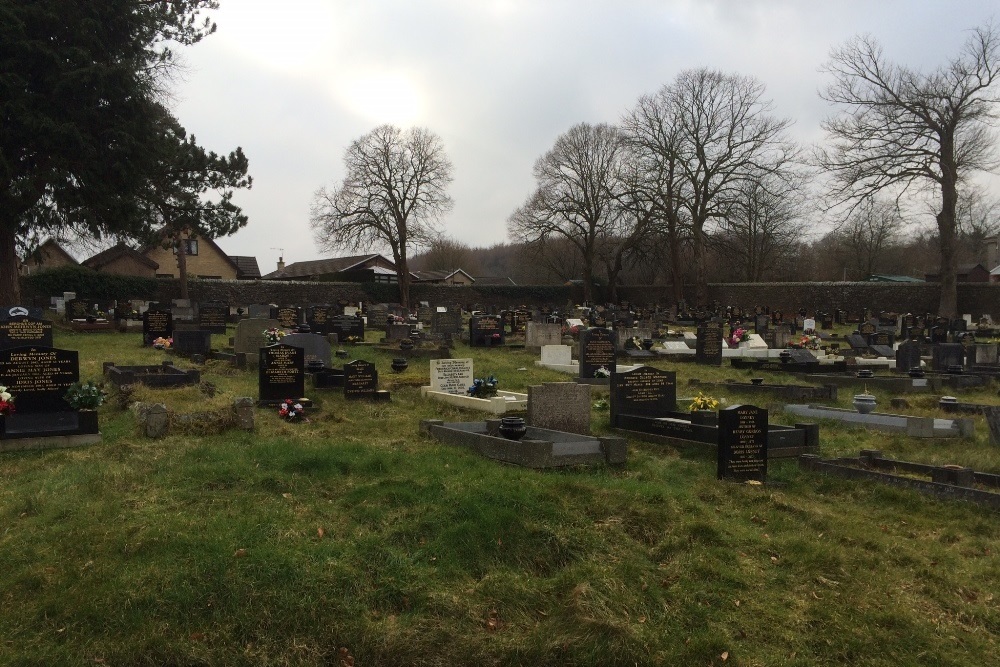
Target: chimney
{"points": [[281, 263]]}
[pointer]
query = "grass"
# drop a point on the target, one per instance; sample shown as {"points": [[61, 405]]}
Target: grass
{"points": [[354, 537]]}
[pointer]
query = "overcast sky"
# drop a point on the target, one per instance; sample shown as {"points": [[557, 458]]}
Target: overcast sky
{"points": [[294, 82]]}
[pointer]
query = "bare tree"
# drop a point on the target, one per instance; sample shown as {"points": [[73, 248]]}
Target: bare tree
{"points": [[724, 134], [654, 135], [900, 130], [577, 198], [393, 195], [869, 233], [762, 227]]}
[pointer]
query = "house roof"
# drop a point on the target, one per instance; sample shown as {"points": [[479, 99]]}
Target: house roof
{"points": [[52, 246], [116, 252], [200, 237], [321, 267], [886, 278], [246, 267], [434, 276]]}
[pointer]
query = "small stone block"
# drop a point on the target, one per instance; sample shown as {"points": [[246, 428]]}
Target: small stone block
{"points": [[615, 450], [954, 475]]}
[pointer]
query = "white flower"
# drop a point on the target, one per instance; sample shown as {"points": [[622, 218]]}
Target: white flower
{"points": [[4, 396]]}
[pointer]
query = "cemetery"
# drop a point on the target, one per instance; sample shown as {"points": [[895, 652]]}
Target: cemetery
{"points": [[510, 459]]}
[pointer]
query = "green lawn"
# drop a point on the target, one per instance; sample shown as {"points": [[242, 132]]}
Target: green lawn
{"points": [[355, 538]]}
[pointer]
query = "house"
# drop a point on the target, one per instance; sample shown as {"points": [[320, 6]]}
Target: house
{"points": [[887, 278], [246, 267], [204, 259], [456, 277], [965, 273], [358, 269], [48, 255], [122, 260]]}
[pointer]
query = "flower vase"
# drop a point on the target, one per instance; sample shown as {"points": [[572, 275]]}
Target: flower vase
{"points": [[399, 365], [87, 421], [513, 428], [864, 403]]}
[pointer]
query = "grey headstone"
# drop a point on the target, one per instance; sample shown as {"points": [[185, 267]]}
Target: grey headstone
{"points": [[249, 336], [538, 334], [315, 347], [560, 406]]}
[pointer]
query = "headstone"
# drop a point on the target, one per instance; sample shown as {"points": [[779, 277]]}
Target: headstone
{"points": [[644, 392], [446, 322], [452, 376], [260, 311], [13, 312], [424, 314], [249, 336], [539, 334], [992, 414], [708, 349], [377, 315], [944, 355], [762, 323], [485, 330], [347, 327], [867, 329], [742, 444], [360, 380], [289, 317], [192, 341], [986, 354], [800, 356], [318, 318], [809, 324], [77, 309], [907, 356], [597, 350], [858, 343], [281, 373], [397, 332], [557, 355], [156, 323], [316, 348], [212, 317], [560, 406], [25, 331], [881, 338], [38, 377]]}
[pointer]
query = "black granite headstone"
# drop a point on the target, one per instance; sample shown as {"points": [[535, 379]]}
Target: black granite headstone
{"points": [[289, 317], [743, 443], [597, 350], [645, 391], [907, 356], [25, 331], [77, 309], [360, 379], [156, 324], [944, 355], [192, 341], [13, 312], [486, 330], [212, 317], [708, 348], [318, 319], [448, 322], [346, 326], [280, 373], [38, 377]]}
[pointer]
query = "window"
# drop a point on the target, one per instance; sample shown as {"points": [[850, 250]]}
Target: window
{"points": [[190, 246]]}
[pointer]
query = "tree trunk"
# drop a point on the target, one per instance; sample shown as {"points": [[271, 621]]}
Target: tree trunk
{"points": [[675, 263], [700, 285], [10, 288], [182, 263], [403, 275], [948, 306]]}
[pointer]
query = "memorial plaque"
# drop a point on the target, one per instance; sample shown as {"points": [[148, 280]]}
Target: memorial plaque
{"points": [[38, 377], [708, 349], [866, 329], [597, 350], [485, 331], [347, 326], [156, 324], [25, 332], [881, 338], [213, 317], [289, 317], [742, 443], [452, 376], [281, 373], [644, 392], [360, 380]]}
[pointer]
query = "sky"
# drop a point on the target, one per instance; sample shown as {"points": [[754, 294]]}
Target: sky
{"points": [[295, 82]]}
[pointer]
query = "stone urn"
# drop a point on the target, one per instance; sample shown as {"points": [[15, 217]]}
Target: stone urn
{"points": [[399, 365], [513, 428], [406, 344], [785, 356], [864, 403], [341, 354], [866, 373], [916, 372], [647, 343]]}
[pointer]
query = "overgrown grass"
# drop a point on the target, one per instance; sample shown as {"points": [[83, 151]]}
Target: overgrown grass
{"points": [[352, 531]]}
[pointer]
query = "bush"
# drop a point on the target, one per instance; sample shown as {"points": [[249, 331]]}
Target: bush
{"points": [[89, 284]]}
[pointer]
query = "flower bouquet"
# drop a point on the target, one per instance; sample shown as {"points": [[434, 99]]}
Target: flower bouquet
{"points": [[806, 342], [84, 396], [740, 335], [273, 336], [602, 372], [6, 401], [292, 411], [703, 402], [483, 387], [162, 343]]}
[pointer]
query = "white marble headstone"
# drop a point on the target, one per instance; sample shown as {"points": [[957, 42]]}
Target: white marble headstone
{"points": [[452, 376], [557, 354]]}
